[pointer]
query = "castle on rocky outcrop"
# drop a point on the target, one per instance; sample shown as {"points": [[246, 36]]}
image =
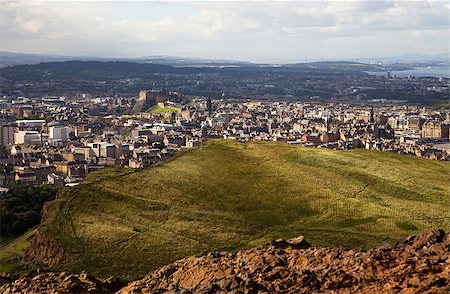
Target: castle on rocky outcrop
{"points": [[149, 98]]}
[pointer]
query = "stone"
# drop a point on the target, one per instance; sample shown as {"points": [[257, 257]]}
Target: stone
{"points": [[299, 243], [418, 264]]}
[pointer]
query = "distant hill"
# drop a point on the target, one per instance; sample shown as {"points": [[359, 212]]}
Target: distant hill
{"points": [[13, 58], [228, 196], [113, 70], [193, 61], [87, 70], [8, 59], [347, 66], [109, 70]]}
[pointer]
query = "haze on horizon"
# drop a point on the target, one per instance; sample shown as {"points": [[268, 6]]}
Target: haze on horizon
{"points": [[257, 31]]}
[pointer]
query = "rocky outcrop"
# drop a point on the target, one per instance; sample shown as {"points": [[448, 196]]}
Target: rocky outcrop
{"points": [[45, 212], [45, 251], [52, 283], [417, 264]]}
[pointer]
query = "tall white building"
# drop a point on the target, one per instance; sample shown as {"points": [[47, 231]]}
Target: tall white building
{"points": [[58, 132], [103, 149], [6, 135]]}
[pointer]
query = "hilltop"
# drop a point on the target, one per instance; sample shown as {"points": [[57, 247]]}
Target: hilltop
{"points": [[231, 196]]}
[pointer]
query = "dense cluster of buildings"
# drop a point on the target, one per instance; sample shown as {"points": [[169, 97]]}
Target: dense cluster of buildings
{"points": [[58, 140]]}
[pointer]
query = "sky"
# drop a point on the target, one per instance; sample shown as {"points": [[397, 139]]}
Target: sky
{"points": [[257, 31]]}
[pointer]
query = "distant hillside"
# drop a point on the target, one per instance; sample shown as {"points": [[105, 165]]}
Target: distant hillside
{"points": [[87, 70], [113, 70], [192, 61], [14, 58], [229, 196], [347, 66]]}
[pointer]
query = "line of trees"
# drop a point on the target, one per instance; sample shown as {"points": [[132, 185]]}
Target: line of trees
{"points": [[21, 208]]}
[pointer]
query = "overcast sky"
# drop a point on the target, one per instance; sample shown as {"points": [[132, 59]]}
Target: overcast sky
{"points": [[252, 30]]}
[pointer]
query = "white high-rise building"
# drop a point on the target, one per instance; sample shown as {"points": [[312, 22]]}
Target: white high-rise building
{"points": [[58, 132]]}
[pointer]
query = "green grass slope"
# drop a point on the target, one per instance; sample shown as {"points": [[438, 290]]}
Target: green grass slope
{"points": [[227, 195], [12, 253], [161, 110]]}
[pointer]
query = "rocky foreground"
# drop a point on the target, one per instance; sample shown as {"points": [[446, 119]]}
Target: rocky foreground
{"points": [[418, 264]]}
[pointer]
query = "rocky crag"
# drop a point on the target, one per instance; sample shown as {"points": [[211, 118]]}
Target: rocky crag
{"points": [[417, 264], [53, 283], [45, 251]]}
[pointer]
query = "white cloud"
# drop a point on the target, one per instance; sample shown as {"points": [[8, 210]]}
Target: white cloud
{"points": [[247, 30]]}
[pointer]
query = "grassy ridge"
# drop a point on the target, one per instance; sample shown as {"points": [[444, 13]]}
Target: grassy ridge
{"points": [[228, 195], [161, 110]]}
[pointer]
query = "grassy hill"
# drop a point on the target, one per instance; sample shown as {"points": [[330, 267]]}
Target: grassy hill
{"points": [[227, 195], [161, 110]]}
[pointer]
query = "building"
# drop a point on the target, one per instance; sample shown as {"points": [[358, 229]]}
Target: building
{"points": [[186, 114], [432, 129], [86, 152], [104, 149], [6, 135], [30, 123], [74, 169], [415, 123], [24, 175], [54, 179], [58, 132], [209, 104], [193, 142], [381, 119], [149, 98], [27, 137], [392, 122], [146, 156], [363, 117], [329, 137], [136, 133], [313, 137]]}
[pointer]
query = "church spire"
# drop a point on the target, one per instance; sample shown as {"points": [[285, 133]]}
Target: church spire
{"points": [[372, 118], [209, 103]]}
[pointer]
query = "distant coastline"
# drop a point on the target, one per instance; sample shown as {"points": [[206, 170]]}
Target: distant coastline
{"points": [[418, 72]]}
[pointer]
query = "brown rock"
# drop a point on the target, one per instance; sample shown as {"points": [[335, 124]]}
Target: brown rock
{"points": [[299, 243], [419, 264], [45, 250]]}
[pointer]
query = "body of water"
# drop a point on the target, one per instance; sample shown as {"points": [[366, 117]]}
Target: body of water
{"points": [[417, 72]]}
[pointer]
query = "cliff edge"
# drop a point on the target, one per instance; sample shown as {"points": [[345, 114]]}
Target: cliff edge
{"points": [[417, 264]]}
